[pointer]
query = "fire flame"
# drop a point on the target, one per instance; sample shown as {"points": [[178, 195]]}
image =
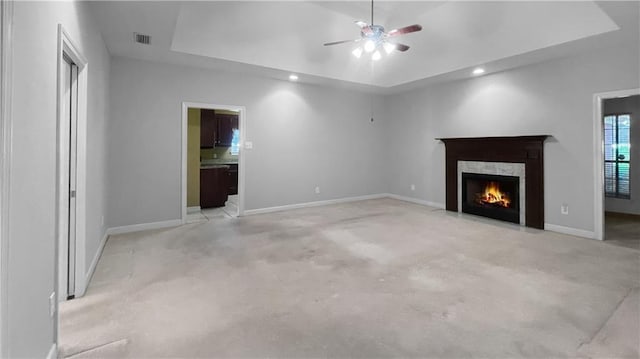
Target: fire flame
{"points": [[492, 195]]}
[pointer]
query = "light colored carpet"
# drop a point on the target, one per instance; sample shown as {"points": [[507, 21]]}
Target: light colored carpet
{"points": [[378, 278]]}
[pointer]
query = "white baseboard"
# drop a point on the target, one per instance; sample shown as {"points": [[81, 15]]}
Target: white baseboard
{"points": [[53, 352], [571, 231], [250, 212], [416, 201], [144, 227], [194, 209]]}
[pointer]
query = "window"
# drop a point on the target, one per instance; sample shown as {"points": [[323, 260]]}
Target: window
{"points": [[235, 142], [617, 155]]}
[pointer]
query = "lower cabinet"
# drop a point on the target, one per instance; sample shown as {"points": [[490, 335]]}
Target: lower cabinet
{"points": [[233, 179], [214, 186]]}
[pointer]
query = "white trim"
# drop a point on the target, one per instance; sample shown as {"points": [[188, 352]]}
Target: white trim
{"points": [[94, 263], [144, 227], [570, 231], [53, 352], [417, 201], [313, 204], [194, 209], [241, 166], [67, 46], [6, 89], [241, 162], [598, 157]]}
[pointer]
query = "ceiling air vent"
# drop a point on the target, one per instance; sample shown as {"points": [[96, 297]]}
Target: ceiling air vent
{"points": [[142, 39]]}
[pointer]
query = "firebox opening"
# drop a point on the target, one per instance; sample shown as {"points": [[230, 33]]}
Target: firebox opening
{"points": [[491, 196]]}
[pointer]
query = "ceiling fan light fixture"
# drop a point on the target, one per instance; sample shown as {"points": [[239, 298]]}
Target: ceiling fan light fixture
{"points": [[388, 47], [374, 38], [369, 46]]}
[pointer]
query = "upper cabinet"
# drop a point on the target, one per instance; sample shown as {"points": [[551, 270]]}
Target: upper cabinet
{"points": [[216, 129], [208, 128], [226, 125]]}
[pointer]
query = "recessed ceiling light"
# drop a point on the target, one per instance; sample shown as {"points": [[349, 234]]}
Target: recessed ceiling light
{"points": [[478, 71], [293, 77]]}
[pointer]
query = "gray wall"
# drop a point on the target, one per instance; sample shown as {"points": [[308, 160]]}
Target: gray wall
{"points": [[554, 98], [32, 227], [629, 105], [303, 136]]}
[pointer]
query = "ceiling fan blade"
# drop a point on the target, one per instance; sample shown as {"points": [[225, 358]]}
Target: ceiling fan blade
{"points": [[401, 47], [340, 42], [404, 30]]}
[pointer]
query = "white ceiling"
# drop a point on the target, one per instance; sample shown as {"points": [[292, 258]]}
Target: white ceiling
{"points": [[277, 38]]}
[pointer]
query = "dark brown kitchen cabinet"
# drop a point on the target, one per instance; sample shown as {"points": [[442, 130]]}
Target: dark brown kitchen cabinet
{"points": [[226, 125], [214, 186], [216, 129], [208, 128], [233, 179]]}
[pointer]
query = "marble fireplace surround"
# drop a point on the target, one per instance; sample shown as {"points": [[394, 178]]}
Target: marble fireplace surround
{"points": [[526, 150]]}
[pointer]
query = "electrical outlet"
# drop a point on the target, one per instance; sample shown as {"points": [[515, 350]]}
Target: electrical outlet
{"points": [[413, 187], [317, 190], [564, 208], [248, 145], [52, 304]]}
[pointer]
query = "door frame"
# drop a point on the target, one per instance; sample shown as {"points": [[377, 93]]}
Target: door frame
{"points": [[6, 54], [598, 152], [241, 163], [66, 45]]}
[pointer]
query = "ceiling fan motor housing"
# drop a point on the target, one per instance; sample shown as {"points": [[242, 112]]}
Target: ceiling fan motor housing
{"points": [[374, 33]]}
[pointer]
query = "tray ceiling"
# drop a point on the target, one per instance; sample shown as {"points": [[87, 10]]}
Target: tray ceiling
{"points": [[273, 37]]}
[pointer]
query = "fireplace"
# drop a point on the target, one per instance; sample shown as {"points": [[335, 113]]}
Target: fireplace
{"points": [[492, 196], [520, 156]]}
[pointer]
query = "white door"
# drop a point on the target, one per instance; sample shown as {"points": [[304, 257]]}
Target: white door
{"points": [[67, 190]]}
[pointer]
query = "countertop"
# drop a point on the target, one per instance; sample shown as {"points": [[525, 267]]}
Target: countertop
{"points": [[206, 167], [221, 163]]}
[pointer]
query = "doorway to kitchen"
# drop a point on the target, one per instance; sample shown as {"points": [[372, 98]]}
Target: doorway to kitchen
{"points": [[212, 160]]}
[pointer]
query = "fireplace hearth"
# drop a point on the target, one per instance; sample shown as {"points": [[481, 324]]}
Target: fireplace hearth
{"points": [[492, 196]]}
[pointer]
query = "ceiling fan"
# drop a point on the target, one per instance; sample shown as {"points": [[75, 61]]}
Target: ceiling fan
{"points": [[375, 38]]}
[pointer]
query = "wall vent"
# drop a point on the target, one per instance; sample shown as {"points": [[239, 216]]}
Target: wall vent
{"points": [[141, 38]]}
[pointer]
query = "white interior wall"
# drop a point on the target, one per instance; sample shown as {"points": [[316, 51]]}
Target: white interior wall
{"points": [[551, 98], [32, 227], [303, 136], [629, 105]]}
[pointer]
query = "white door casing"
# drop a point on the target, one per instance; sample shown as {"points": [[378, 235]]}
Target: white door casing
{"points": [[67, 48], [6, 51], [68, 179], [598, 153], [241, 163]]}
